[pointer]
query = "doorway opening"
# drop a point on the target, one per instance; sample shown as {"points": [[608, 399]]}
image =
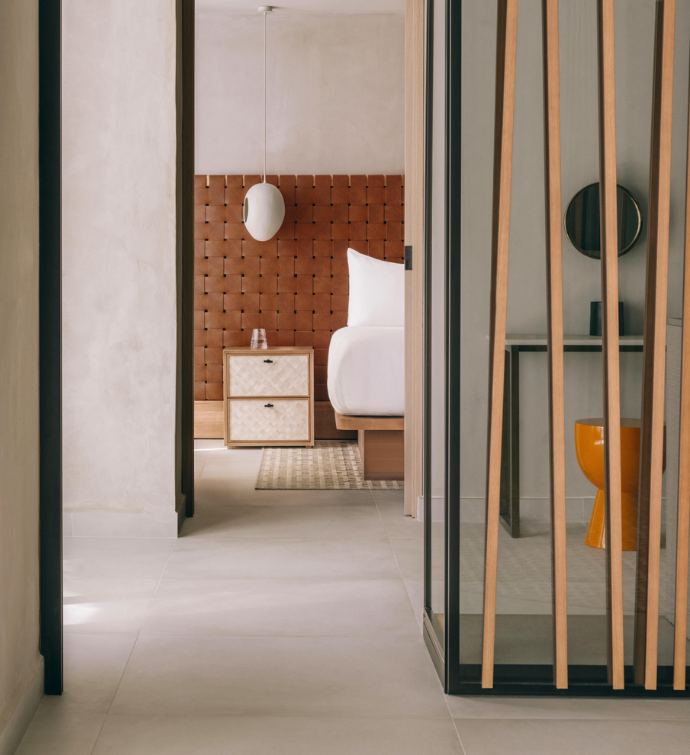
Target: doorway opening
{"points": [[355, 535]]}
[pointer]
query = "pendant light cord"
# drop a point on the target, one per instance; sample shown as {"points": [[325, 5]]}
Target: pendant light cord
{"points": [[265, 96]]}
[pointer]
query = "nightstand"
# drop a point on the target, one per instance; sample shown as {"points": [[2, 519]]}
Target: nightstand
{"points": [[268, 396]]}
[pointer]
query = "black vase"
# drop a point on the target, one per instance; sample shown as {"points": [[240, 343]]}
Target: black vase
{"points": [[595, 318]]}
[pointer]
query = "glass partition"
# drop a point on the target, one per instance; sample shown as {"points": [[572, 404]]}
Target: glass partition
{"points": [[460, 172], [435, 331]]}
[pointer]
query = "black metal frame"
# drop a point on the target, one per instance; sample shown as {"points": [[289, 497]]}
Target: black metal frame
{"points": [[185, 209], [444, 646], [452, 356], [50, 340], [509, 508], [432, 631]]}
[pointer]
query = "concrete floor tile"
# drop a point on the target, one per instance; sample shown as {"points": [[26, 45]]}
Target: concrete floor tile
{"points": [[588, 708], [106, 605], [398, 526], [115, 557], [222, 491], [231, 470], [409, 553], [335, 521], [282, 608], [415, 591], [61, 731], [280, 676], [548, 737], [93, 667], [281, 558], [211, 735], [390, 497]]}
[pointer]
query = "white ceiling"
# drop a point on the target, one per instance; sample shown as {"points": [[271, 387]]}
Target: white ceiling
{"points": [[304, 6]]}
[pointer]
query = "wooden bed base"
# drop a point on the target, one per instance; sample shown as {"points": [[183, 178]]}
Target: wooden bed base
{"points": [[381, 444]]}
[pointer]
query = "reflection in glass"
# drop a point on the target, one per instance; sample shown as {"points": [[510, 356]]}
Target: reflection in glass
{"points": [[436, 324], [582, 221]]}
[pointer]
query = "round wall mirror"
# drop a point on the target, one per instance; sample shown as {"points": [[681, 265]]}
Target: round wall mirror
{"points": [[581, 221]]}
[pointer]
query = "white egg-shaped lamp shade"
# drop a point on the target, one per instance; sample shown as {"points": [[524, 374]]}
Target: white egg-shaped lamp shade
{"points": [[264, 210]]}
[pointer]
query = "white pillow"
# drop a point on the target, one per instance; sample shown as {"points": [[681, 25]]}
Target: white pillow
{"points": [[377, 292]]}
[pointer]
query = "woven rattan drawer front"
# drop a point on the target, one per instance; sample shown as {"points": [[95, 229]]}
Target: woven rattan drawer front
{"points": [[260, 420], [268, 375]]}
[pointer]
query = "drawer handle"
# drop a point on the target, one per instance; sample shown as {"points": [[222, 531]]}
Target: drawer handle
{"points": [[268, 406], [268, 361]]}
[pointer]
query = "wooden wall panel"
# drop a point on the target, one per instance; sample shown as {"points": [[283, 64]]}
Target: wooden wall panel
{"points": [[654, 374], [554, 299], [610, 345], [208, 419], [296, 284], [414, 237], [683, 523], [506, 54]]}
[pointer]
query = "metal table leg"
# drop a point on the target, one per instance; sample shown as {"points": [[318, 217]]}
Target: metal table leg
{"points": [[510, 456]]}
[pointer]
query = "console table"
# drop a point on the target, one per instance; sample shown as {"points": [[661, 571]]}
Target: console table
{"points": [[510, 456]]}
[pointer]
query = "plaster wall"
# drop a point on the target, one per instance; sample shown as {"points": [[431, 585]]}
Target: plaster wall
{"points": [[119, 262], [527, 274], [335, 93], [21, 679]]}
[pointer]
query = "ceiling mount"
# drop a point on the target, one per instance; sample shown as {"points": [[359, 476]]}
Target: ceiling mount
{"points": [[264, 8]]}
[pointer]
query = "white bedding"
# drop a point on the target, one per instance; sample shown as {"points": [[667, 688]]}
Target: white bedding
{"points": [[366, 371]]}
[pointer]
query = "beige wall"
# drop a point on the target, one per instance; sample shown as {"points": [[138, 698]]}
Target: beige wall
{"points": [[119, 266], [336, 93], [20, 663], [527, 276]]}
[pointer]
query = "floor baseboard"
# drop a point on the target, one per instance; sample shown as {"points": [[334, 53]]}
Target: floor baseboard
{"points": [[15, 719]]}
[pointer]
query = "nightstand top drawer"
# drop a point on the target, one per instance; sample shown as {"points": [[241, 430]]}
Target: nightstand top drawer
{"points": [[244, 350], [267, 372]]}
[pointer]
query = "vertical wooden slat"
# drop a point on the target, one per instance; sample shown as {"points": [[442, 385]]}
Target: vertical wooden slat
{"points": [[503, 163], [554, 299], [414, 236], [609, 294], [652, 441], [680, 621]]}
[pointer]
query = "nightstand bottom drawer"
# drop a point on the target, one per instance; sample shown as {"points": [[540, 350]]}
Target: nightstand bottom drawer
{"points": [[268, 420]]}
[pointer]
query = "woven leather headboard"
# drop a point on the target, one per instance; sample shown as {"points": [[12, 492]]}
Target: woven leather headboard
{"points": [[295, 285]]}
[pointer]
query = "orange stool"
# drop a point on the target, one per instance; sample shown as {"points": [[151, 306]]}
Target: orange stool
{"points": [[589, 446]]}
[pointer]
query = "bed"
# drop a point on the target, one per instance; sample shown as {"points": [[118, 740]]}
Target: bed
{"points": [[366, 385], [366, 365], [366, 371]]}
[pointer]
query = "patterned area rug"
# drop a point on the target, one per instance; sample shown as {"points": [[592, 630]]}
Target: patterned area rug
{"points": [[330, 465]]}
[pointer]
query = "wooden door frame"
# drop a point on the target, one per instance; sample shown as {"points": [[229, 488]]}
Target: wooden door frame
{"points": [[414, 237]]}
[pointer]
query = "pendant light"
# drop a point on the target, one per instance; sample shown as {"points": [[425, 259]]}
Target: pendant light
{"points": [[264, 207]]}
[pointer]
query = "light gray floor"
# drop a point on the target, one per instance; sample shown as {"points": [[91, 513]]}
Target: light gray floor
{"points": [[286, 623]]}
